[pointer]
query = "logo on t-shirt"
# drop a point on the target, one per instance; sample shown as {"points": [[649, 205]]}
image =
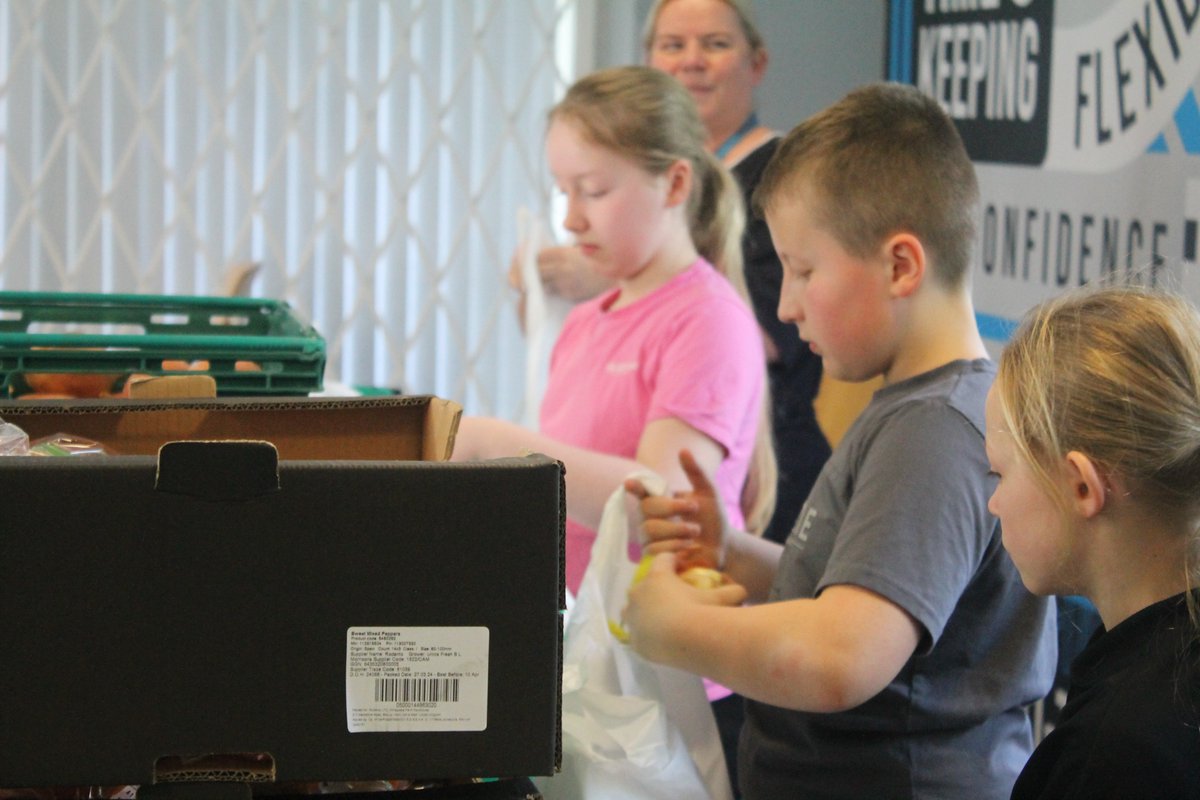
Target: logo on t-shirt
{"points": [[620, 367], [799, 535]]}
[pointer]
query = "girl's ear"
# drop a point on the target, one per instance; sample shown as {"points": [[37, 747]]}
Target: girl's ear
{"points": [[679, 182], [1087, 487]]}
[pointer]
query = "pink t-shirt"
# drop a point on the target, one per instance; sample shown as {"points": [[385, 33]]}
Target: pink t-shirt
{"points": [[690, 350]]}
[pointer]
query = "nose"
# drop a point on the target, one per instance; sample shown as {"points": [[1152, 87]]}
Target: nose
{"points": [[790, 307], [573, 219], [692, 56]]}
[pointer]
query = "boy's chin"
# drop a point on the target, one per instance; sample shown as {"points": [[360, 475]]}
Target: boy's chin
{"points": [[840, 372]]}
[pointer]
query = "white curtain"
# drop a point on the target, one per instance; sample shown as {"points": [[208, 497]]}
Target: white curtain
{"points": [[371, 155]]}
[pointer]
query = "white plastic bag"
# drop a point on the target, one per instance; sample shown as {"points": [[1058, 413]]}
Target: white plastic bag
{"points": [[13, 440], [544, 314], [631, 729]]}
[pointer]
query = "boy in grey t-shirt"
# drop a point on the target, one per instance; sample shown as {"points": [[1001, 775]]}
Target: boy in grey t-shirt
{"points": [[901, 511], [891, 648]]}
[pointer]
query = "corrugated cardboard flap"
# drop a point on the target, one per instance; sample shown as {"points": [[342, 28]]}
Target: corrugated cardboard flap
{"points": [[405, 428]]}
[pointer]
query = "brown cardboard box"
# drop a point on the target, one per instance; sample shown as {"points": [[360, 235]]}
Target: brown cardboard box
{"points": [[320, 586], [388, 428]]}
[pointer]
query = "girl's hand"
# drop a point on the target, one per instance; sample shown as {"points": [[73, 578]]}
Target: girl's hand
{"points": [[567, 274], [691, 523], [662, 604]]}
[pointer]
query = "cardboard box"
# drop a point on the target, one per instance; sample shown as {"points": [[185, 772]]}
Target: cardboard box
{"points": [[384, 428], [320, 590]]}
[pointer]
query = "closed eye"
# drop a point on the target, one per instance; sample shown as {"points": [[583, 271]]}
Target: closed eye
{"points": [[718, 43]]}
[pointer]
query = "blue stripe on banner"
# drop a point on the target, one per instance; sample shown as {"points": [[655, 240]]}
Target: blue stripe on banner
{"points": [[1187, 120], [1159, 145], [907, 59], [900, 41], [998, 329]]}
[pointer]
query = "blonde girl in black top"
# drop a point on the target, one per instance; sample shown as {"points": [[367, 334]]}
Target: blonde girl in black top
{"points": [[1093, 429]]}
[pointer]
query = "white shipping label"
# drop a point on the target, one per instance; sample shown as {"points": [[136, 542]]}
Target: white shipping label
{"points": [[416, 679]]}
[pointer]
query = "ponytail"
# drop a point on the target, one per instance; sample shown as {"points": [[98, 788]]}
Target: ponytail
{"points": [[759, 492], [717, 222], [717, 217]]}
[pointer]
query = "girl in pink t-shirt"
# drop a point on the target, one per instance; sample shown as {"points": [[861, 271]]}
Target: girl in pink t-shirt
{"points": [[669, 359]]}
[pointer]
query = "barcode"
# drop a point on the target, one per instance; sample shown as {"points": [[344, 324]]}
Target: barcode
{"points": [[416, 690]]}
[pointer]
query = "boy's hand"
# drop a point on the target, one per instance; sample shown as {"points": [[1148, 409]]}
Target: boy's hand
{"points": [[661, 602], [691, 524]]}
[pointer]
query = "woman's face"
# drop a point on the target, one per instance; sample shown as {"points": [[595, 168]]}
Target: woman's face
{"points": [[702, 44]]}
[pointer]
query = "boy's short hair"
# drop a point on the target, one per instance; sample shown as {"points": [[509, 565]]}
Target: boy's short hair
{"points": [[884, 159]]}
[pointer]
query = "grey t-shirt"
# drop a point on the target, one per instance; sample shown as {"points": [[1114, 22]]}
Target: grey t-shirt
{"points": [[901, 509]]}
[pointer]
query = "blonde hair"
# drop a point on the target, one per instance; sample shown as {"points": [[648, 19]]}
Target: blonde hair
{"points": [[1112, 372], [648, 117], [882, 160], [741, 8]]}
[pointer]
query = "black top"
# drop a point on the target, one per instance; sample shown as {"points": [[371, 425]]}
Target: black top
{"points": [[1131, 725], [795, 376]]}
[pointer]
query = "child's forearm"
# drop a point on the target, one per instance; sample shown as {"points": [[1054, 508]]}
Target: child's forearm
{"points": [[591, 477], [792, 654], [821, 654], [751, 651], [751, 561]]}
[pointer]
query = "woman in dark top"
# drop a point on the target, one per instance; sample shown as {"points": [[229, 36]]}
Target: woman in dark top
{"points": [[1093, 429]]}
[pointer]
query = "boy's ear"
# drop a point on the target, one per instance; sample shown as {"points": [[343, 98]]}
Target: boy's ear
{"points": [[1086, 485], [679, 182], [906, 258]]}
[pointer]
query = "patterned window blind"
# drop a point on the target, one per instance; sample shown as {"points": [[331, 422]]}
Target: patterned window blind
{"points": [[369, 155]]}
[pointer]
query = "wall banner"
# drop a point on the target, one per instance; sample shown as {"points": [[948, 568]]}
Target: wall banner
{"points": [[1082, 119]]}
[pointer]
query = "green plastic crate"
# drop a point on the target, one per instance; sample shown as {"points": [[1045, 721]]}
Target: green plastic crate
{"points": [[122, 334]]}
